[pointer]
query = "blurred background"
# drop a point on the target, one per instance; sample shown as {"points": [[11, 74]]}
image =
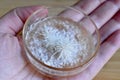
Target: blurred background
{"points": [[111, 71], [6, 5]]}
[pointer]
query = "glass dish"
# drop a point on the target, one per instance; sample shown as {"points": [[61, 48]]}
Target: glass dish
{"points": [[58, 45]]}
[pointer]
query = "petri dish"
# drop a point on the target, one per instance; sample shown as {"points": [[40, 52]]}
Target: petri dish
{"points": [[58, 45]]}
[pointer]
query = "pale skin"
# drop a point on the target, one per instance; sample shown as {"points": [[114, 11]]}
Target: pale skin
{"points": [[15, 66]]}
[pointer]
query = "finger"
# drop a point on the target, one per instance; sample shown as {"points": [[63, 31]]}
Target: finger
{"points": [[87, 6], [13, 21], [101, 15], [110, 27], [107, 49], [110, 46], [105, 12]]}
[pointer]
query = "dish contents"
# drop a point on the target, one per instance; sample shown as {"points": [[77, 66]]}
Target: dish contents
{"points": [[59, 42]]}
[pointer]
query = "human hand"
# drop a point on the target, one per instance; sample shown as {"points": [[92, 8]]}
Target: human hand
{"points": [[13, 64]]}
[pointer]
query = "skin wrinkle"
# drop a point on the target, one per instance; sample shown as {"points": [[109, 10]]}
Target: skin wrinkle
{"points": [[25, 77], [109, 26], [26, 61], [3, 59], [18, 17], [20, 40], [116, 33], [27, 12], [110, 42], [33, 75], [87, 10], [18, 14], [101, 1], [98, 17], [22, 69], [14, 11], [116, 2], [113, 42], [3, 26], [77, 6], [7, 39]]}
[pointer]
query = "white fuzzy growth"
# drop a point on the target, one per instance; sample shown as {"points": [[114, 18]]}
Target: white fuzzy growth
{"points": [[62, 42], [59, 48]]}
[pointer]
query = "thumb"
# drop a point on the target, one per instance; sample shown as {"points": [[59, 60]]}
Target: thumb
{"points": [[14, 20]]}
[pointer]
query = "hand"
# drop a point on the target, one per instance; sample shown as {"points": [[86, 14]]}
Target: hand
{"points": [[13, 64]]}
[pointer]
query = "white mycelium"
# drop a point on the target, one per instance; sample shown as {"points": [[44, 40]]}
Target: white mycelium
{"points": [[57, 42]]}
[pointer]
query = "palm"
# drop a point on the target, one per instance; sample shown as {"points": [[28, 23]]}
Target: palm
{"points": [[13, 63]]}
